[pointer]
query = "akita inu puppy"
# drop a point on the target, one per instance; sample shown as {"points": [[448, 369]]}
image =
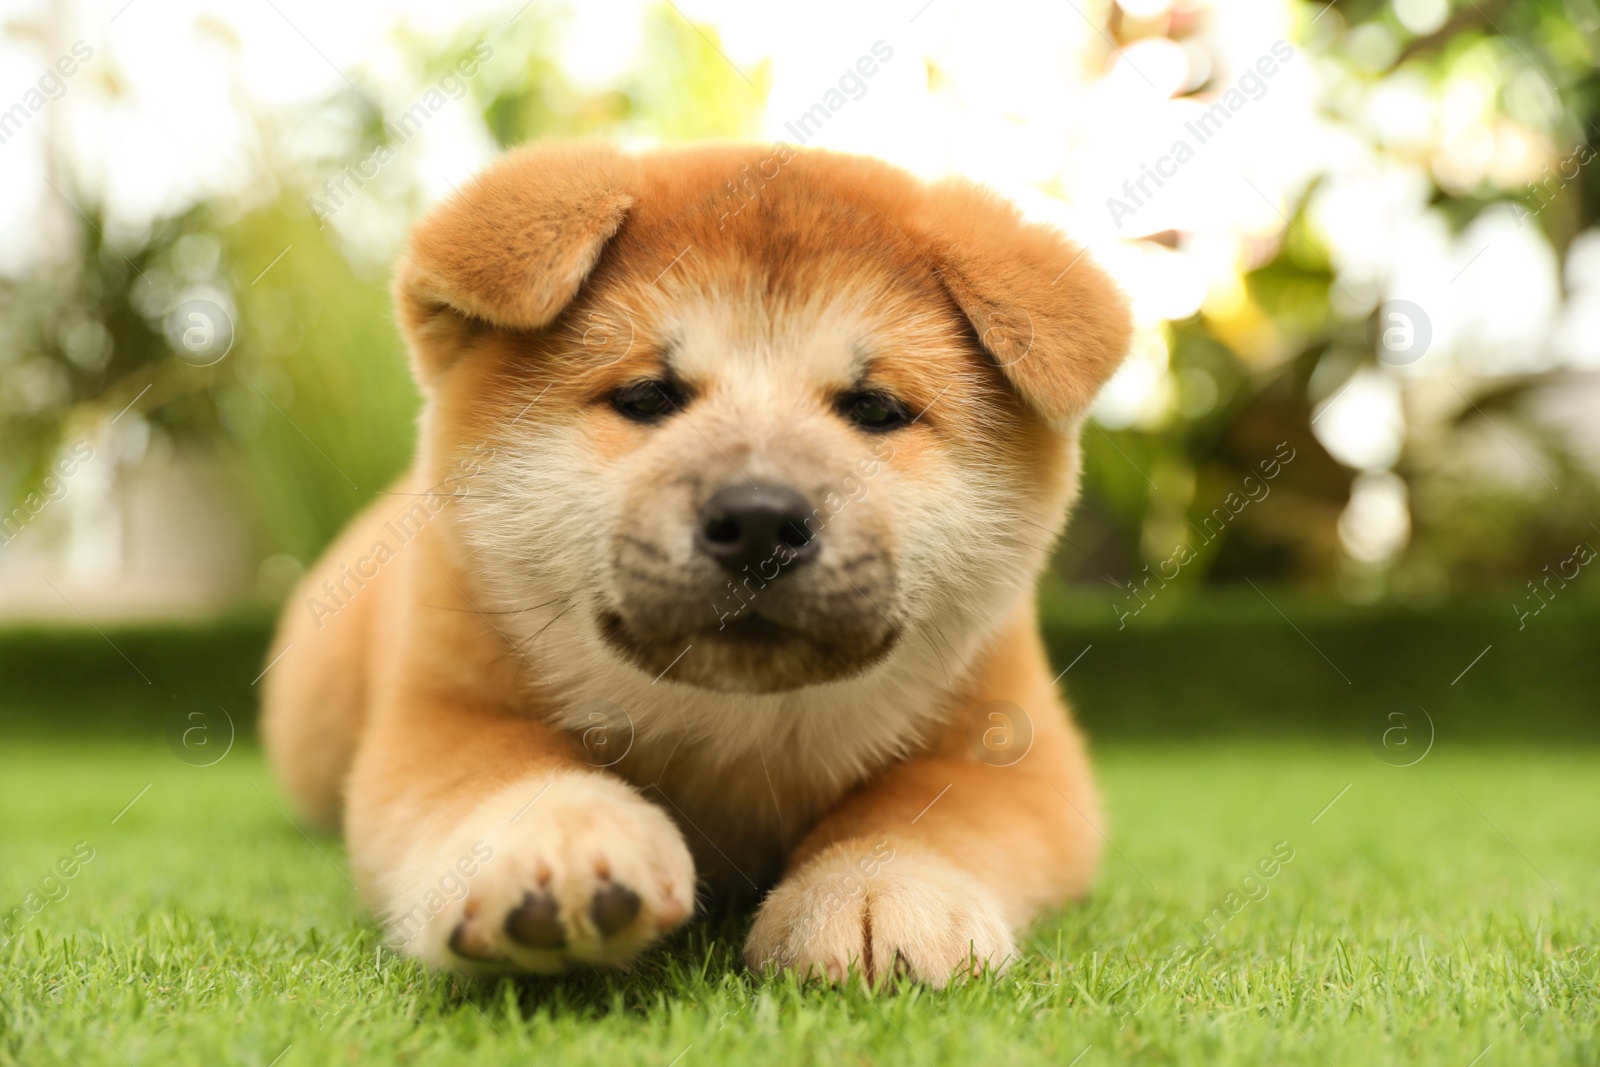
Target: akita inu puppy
{"points": [[714, 571]]}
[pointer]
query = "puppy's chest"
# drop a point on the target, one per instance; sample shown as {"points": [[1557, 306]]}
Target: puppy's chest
{"points": [[739, 818], [746, 777]]}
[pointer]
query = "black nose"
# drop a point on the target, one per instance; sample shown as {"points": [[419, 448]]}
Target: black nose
{"points": [[748, 525]]}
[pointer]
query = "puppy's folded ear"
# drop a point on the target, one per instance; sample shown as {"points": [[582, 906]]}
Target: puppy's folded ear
{"points": [[1053, 321], [512, 247]]}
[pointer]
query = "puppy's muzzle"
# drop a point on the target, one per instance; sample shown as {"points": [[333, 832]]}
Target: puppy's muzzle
{"points": [[750, 525]]}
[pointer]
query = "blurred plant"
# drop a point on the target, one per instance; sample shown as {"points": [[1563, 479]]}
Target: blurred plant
{"points": [[84, 334], [312, 408], [1260, 365]]}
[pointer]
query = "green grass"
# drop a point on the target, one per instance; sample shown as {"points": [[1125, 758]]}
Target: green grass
{"points": [[1433, 914]]}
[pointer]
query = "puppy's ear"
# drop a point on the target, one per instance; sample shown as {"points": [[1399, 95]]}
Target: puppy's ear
{"points": [[1053, 321], [511, 248]]}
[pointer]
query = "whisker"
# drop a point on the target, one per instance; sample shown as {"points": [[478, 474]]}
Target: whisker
{"points": [[1023, 541], [529, 642], [508, 611], [948, 647], [447, 496]]}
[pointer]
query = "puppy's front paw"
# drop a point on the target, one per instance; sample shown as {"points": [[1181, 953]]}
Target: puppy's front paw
{"points": [[573, 867], [885, 915]]}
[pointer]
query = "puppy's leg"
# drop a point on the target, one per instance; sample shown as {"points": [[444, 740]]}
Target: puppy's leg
{"points": [[314, 693], [928, 870], [489, 846]]}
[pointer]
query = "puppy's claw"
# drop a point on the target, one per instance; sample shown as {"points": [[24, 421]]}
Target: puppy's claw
{"points": [[536, 922], [671, 913], [614, 906]]}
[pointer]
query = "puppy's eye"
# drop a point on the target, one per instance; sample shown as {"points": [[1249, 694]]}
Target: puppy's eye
{"points": [[878, 412], [649, 401]]}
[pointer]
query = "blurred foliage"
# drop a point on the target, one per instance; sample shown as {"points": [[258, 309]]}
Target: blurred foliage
{"points": [[318, 414], [1230, 668], [313, 409], [1262, 365], [684, 89]]}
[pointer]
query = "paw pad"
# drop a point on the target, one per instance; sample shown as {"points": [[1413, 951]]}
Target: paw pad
{"points": [[614, 907], [536, 922], [592, 878]]}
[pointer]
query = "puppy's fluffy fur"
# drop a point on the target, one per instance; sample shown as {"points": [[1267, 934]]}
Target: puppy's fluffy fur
{"points": [[546, 718]]}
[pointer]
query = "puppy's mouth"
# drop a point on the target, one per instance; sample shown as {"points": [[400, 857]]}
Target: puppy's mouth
{"points": [[758, 630], [750, 653]]}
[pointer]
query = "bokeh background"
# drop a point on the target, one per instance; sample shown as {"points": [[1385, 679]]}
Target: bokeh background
{"points": [[1360, 240]]}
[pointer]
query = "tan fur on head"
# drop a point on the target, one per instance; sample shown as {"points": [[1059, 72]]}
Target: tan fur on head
{"points": [[808, 721], [512, 248]]}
